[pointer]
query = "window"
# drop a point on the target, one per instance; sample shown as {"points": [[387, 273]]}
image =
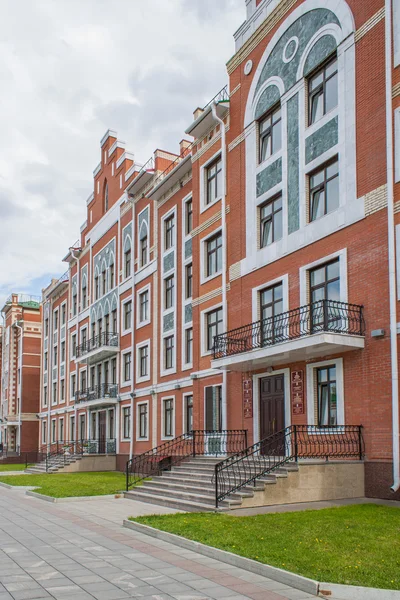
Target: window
{"points": [[168, 417], [106, 198], [46, 361], [100, 327], [188, 281], [82, 427], [213, 408], [84, 336], [169, 226], [55, 355], [128, 315], [127, 366], [188, 216], [96, 286], [144, 306], [61, 430], [142, 420], [126, 417], [188, 345], [104, 281], [72, 429], [54, 398], [45, 396], [111, 275], [270, 131], [113, 370], [324, 190], [73, 385], [323, 91], [214, 326], [271, 222], [107, 323], [214, 254], [327, 396], [63, 314], [214, 181], [53, 431], [143, 251], [73, 344], [62, 352], [169, 352], [114, 320], [111, 424], [74, 302], [188, 412], [55, 320], [44, 432], [127, 262], [83, 381], [93, 432], [46, 327], [324, 293], [271, 307], [84, 294], [169, 292], [144, 361]]}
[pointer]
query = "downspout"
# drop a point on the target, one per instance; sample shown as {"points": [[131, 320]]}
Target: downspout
{"points": [[20, 359], [77, 341], [49, 371], [133, 328], [391, 247], [132, 395], [224, 254]]}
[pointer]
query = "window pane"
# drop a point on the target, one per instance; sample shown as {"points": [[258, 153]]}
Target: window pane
{"points": [[266, 210], [266, 297], [317, 205], [318, 294], [322, 375], [277, 137], [277, 115], [316, 81], [266, 234], [332, 190], [330, 69], [317, 107], [332, 169], [266, 147], [316, 179], [333, 270], [278, 227], [323, 406], [278, 292], [333, 291], [265, 124]]}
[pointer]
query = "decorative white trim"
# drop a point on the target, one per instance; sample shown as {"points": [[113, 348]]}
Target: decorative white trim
{"points": [[203, 328], [303, 275], [184, 396], [147, 377], [139, 292], [122, 367], [311, 400], [123, 302], [138, 438], [203, 187], [203, 261]]}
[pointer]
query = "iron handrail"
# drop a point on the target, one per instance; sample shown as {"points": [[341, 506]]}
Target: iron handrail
{"points": [[221, 96], [105, 338], [193, 443], [288, 445], [66, 448], [324, 316]]}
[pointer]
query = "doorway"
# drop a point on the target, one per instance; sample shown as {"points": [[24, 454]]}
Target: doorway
{"points": [[272, 412]]}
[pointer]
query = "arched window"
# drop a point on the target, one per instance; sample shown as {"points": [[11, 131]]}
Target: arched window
{"points": [[106, 197], [84, 292], [127, 258], [96, 285], [111, 273]]}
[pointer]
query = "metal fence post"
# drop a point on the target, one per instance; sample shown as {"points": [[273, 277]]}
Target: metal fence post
{"points": [[194, 443], [245, 439], [216, 485], [360, 448], [296, 447]]}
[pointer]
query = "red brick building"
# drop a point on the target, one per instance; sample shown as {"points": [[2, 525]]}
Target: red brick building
{"points": [[249, 281]]}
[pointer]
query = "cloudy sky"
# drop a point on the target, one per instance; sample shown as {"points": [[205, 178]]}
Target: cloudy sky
{"points": [[70, 70]]}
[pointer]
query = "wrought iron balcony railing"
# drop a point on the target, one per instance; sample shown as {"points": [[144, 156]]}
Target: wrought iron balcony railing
{"points": [[97, 392], [324, 316], [97, 342]]}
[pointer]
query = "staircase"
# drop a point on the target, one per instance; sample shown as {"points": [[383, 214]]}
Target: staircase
{"points": [[54, 463], [190, 487]]}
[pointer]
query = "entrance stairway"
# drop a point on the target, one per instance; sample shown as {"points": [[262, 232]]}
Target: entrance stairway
{"points": [[189, 486], [54, 463]]}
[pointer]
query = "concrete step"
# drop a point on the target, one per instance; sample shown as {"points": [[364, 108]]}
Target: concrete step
{"points": [[176, 503], [182, 491]]}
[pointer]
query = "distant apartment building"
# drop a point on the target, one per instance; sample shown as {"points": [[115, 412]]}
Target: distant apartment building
{"points": [[20, 373], [247, 282]]}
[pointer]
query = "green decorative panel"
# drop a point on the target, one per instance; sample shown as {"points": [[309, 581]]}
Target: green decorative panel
{"points": [[268, 99], [293, 186], [144, 217], [188, 313], [291, 50], [168, 322], [321, 50], [169, 262], [322, 140], [270, 177], [104, 256], [188, 248]]}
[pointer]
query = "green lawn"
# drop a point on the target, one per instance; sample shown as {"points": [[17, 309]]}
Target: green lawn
{"points": [[6, 468], [65, 485], [353, 545]]}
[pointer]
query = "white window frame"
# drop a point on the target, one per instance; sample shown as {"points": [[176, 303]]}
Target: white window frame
{"points": [[52, 438], [203, 182], [139, 266], [58, 320], [172, 370], [123, 302], [203, 256], [397, 132], [203, 326], [138, 438], [61, 420], [304, 274], [311, 397], [72, 397], [61, 400], [74, 334], [44, 432], [123, 382], [54, 400], [255, 292], [123, 409], [184, 396], [170, 213], [187, 365], [139, 323], [143, 344], [163, 399], [66, 314]]}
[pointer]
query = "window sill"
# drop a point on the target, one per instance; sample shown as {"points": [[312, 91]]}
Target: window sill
{"points": [[205, 207], [143, 379], [210, 277], [143, 324]]}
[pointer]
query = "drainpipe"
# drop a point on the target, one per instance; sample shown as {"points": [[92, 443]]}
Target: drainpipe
{"points": [[132, 395], [391, 247], [224, 254], [21, 357], [77, 340]]}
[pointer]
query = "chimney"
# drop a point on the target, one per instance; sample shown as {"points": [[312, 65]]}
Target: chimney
{"points": [[197, 113], [183, 146]]}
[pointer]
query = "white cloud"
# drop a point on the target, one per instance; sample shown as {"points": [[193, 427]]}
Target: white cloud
{"points": [[70, 70]]}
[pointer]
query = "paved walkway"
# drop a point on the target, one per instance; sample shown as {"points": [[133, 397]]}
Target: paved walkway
{"points": [[79, 551]]}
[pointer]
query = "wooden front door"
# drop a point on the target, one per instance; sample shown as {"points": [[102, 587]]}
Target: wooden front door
{"points": [[102, 432], [272, 411]]}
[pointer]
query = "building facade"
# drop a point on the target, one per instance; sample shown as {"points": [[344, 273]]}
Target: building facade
{"points": [[248, 281], [20, 374]]}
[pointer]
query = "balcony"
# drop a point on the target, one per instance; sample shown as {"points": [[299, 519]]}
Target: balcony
{"points": [[203, 118], [100, 347], [103, 394], [316, 330]]}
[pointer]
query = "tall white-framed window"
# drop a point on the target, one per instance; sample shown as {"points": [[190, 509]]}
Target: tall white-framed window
{"points": [[168, 417], [62, 391], [188, 346], [335, 280], [63, 313], [61, 432], [53, 431], [142, 421], [169, 353], [325, 393], [73, 386], [73, 345], [213, 408], [126, 367], [45, 396], [211, 181], [55, 320], [126, 422], [54, 398], [212, 322], [143, 361], [127, 258], [127, 315], [187, 412], [143, 306], [44, 432], [188, 216], [211, 256]]}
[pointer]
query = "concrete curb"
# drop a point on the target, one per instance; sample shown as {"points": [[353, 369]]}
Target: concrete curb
{"points": [[297, 581], [8, 486], [71, 499], [331, 590]]}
